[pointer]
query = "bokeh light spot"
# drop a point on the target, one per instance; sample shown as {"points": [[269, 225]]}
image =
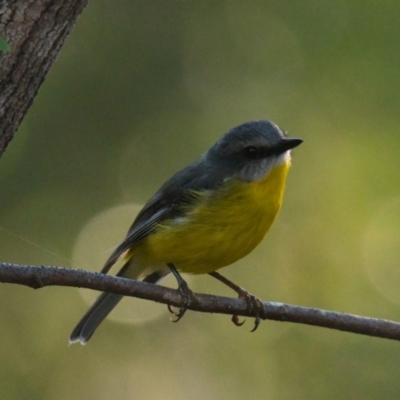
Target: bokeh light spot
{"points": [[93, 246], [382, 250]]}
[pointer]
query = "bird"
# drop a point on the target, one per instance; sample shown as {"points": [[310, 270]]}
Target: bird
{"points": [[208, 215]]}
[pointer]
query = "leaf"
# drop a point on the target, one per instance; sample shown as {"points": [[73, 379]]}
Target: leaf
{"points": [[4, 46]]}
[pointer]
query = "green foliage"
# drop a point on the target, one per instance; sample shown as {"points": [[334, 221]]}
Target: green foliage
{"points": [[4, 46], [109, 126]]}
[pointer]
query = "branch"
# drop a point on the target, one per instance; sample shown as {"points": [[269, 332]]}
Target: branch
{"points": [[40, 276]]}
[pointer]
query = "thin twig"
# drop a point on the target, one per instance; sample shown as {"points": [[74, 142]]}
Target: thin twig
{"points": [[41, 276]]}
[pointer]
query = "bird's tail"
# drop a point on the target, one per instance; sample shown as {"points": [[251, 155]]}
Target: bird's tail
{"points": [[102, 307]]}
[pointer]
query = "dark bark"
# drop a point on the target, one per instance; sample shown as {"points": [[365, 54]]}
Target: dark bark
{"points": [[36, 31]]}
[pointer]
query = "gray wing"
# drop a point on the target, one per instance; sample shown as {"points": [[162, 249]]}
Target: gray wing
{"points": [[167, 203]]}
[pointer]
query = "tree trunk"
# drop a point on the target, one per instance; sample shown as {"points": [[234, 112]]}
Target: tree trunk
{"points": [[36, 31]]}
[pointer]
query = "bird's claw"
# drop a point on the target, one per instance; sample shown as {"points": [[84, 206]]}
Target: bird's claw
{"points": [[235, 320], [187, 297], [254, 304]]}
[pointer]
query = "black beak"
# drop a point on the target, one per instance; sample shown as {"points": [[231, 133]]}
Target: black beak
{"points": [[287, 144]]}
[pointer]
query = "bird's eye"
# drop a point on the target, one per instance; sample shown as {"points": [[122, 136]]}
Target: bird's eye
{"points": [[251, 152]]}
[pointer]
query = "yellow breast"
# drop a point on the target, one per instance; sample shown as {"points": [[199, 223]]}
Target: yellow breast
{"points": [[223, 227]]}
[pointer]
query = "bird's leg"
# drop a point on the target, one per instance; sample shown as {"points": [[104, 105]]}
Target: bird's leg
{"points": [[186, 293], [253, 302]]}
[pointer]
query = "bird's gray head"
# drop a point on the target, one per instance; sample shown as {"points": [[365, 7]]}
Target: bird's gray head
{"points": [[249, 151]]}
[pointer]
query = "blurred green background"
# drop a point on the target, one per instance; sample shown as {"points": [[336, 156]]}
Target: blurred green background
{"points": [[140, 90]]}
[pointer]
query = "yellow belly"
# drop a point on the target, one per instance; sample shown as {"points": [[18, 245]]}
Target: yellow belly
{"points": [[222, 229]]}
